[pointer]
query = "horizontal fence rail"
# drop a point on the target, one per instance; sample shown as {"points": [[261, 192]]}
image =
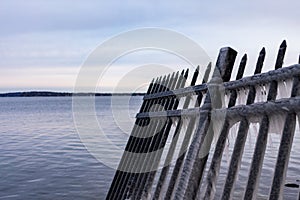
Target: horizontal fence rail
{"points": [[258, 79], [281, 106], [169, 154]]}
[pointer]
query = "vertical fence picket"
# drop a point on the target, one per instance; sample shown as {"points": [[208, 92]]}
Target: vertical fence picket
{"points": [[261, 144], [193, 167], [154, 160], [119, 173], [184, 145], [158, 135], [260, 61], [145, 141], [206, 73], [220, 145], [285, 147], [127, 180], [171, 151], [241, 137]]}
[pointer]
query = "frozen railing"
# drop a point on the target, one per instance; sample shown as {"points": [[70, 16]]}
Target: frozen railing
{"points": [[179, 123]]}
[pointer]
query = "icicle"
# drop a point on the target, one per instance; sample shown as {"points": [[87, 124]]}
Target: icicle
{"points": [[288, 86], [282, 90], [246, 95], [239, 97], [257, 95], [192, 101], [223, 99], [233, 131], [218, 118], [298, 116], [227, 152], [266, 91], [277, 123], [242, 96], [250, 136], [174, 121], [231, 137], [260, 93], [196, 125], [270, 140], [226, 99], [184, 123], [255, 131], [255, 128], [203, 98], [181, 102]]}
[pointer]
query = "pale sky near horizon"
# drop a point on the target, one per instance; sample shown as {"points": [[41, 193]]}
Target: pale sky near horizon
{"points": [[44, 43]]}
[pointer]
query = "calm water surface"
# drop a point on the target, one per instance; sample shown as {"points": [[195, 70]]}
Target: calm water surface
{"points": [[42, 156]]}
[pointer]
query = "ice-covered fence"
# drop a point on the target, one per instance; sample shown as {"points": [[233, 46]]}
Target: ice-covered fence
{"points": [[190, 117]]}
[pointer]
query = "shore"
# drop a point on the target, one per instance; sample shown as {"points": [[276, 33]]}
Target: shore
{"points": [[61, 94]]}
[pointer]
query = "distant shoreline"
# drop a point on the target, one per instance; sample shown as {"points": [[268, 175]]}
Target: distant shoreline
{"points": [[63, 94]]}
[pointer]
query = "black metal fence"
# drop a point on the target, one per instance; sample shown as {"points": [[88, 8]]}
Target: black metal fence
{"points": [[179, 122]]}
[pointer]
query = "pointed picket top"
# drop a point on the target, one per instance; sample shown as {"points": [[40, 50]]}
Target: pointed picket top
{"points": [[179, 80], [195, 76], [280, 56], [197, 69], [225, 63], [260, 61], [166, 86], [283, 44], [206, 74], [171, 81], [150, 87], [184, 78], [242, 67], [156, 84], [161, 84], [175, 80]]}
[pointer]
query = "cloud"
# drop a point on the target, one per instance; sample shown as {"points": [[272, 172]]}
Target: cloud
{"points": [[35, 15], [50, 34]]}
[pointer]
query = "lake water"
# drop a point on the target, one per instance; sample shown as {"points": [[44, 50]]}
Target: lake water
{"points": [[42, 156]]}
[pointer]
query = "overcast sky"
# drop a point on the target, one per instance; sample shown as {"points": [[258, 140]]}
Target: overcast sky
{"points": [[44, 43]]}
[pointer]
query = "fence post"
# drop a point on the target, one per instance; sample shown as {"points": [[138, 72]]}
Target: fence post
{"points": [[194, 164], [217, 156]]}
